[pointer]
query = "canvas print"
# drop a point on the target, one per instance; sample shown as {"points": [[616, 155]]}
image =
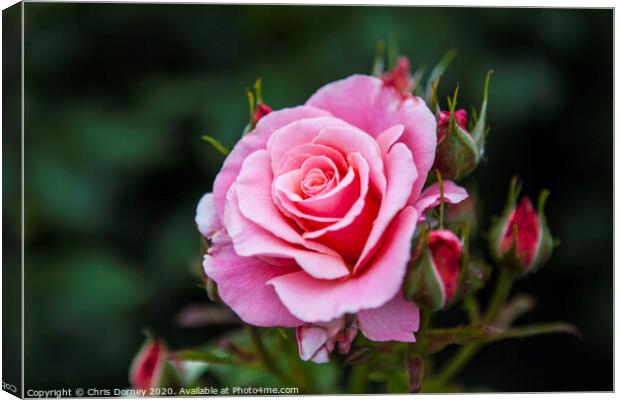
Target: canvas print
{"points": [[207, 200]]}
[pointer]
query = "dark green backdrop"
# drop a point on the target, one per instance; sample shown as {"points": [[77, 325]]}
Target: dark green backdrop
{"points": [[118, 95]]}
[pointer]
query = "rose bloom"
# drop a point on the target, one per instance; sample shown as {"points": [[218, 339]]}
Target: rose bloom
{"points": [[313, 212]]}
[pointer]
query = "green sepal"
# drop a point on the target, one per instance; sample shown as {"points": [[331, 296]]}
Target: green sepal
{"points": [[378, 65], [433, 79], [546, 244], [416, 79], [457, 154], [216, 144], [463, 285], [170, 376], [480, 130], [500, 224], [212, 291], [423, 284], [204, 245]]}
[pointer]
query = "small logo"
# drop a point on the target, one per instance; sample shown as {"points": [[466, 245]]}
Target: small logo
{"points": [[9, 387]]}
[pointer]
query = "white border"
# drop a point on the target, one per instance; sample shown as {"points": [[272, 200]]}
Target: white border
{"points": [[459, 3]]}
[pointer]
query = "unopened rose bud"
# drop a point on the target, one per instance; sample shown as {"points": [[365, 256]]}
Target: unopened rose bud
{"points": [[443, 123], [261, 110], [400, 77], [459, 150], [435, 276], [148, 365], [520, 239]]}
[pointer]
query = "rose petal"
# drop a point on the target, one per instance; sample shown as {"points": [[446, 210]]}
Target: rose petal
{"points": [[364, 101], [452, 193], [296, 156], [253, 186], [387, 138], [241, 283], [350, 140], [287, 199], [249, 239], [295, 134], [340, 201], [357, 221], [206, 219], [310, 339], [401, 175], [396, 320], [315, 300], [255, 140]]}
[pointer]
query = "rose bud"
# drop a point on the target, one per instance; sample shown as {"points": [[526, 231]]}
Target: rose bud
{"points": [[148, 365], [458, 150], [400, 77], [443, 123], [436, 275], [520, 239], [261, 110]]}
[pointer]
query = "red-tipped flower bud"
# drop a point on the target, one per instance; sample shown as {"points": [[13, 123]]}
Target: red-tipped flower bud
{"points": [[436, 274], [148, 365], [400, 77], [261, 110], [459, 150], [443, 123], [520, 239]]}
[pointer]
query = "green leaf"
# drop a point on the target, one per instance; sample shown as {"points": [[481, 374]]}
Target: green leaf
{"points": [[216, 144]]}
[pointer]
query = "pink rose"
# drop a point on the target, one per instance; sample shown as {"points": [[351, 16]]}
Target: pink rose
{"points": [[312, 214]]}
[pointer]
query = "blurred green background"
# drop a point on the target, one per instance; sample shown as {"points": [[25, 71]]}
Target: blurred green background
{"points": [[118, 95]]}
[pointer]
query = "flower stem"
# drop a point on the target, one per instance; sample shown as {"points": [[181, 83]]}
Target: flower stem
{"points": [[465, 353], [502, 290]]}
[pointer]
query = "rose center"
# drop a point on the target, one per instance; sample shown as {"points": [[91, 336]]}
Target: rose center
{"points": [[318, 174], [315, 181]]}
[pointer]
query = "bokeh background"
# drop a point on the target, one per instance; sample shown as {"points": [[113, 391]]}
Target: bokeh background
{"points": [[118, 96]]}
